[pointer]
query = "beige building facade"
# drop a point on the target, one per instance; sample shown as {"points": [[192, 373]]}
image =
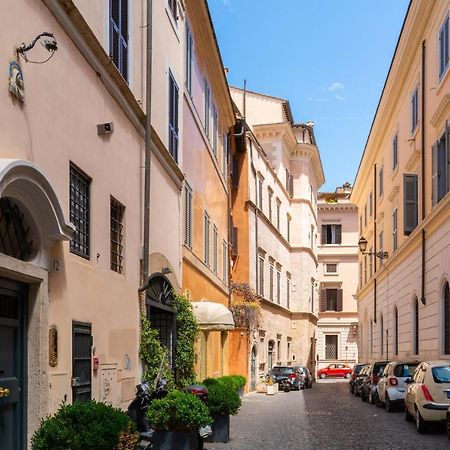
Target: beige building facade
{"points": [[337, 328], [276, 176], [402, 193]]}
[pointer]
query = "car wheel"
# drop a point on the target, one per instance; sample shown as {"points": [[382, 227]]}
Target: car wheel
{"points": [[421, 425], [408, 416], [372, 397], [347, 375], [388, 404], [323, 376]]}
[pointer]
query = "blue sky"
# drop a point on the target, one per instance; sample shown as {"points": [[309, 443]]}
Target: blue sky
{"points": [[329, 58]]}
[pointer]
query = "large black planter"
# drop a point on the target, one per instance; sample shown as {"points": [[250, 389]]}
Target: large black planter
{"points": [[220, 429], [175, 440]]}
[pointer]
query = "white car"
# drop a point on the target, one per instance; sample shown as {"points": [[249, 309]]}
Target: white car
{"points": [[391, 387], [428, 394]]}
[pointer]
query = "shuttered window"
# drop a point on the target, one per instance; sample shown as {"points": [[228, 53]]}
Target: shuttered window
{"points": [[331, 300], [188, 216], [224, 154], [288, 221], [173, 117], [278, 214], [278, 287], [443, 47], [261, 276], [414, 109], [288, 290], [331, 234], [381, 334], [441, 166], [260, 194], [206, 231], [410, 203], [215, 248], [118, 35], [381, 181], [395, 152], [189, 59]]}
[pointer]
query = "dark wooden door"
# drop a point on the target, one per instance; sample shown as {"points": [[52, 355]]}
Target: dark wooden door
{"points": [[12, 365], [81, 361]]}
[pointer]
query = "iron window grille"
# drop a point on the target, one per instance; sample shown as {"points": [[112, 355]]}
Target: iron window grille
{"points": [[117, 213], [118, 35], [331, 346], [79, 211]]}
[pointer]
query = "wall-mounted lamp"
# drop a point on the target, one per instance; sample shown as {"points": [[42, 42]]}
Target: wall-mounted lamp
{"points": [[362, 244], [48, 41], [166, 270]]}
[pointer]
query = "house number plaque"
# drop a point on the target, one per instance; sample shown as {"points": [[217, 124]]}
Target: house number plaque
{"points": [[53, 346]]}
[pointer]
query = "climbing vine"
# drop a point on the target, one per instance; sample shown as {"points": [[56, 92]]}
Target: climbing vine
{"points": [[248, 313]]}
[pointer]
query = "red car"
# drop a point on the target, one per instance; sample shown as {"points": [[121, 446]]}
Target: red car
{"points": [[335, 370]]}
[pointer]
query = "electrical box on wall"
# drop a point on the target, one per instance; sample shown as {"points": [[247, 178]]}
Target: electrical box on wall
{"points": [[105, 128]]}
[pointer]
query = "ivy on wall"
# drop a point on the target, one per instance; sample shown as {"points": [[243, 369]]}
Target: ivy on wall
{"points": [[248, 313]]}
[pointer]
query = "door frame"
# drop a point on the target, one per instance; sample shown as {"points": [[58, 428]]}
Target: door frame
{"points": [[21, 291]]}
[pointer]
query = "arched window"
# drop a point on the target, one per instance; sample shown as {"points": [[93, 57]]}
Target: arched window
{"points": [[446, 298], [381, 334], [416, 327], [395, 331], [270, 354]]}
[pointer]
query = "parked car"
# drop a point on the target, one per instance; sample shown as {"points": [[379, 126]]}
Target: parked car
{"points": [[292, 373], [427, 396], [357, 384], [355, 371], [335, 370], [370, 381], [306, 377], [391, 387]]}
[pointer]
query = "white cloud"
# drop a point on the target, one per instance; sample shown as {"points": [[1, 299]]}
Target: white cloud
{"points": [[317, 99], [336, 86], [340, 98]]}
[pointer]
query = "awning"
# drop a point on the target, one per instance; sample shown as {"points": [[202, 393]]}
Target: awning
{"points": [[213, 316]]}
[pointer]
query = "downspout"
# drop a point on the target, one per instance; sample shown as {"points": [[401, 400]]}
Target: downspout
{"points": [[148, 143], [422, 297], [374, 242]]}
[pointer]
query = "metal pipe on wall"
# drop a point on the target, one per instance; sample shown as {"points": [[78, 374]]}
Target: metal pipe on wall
{"points": [[422, 296]]}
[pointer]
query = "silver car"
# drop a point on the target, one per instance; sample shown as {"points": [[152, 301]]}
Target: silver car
{"points": [[391, 387]]}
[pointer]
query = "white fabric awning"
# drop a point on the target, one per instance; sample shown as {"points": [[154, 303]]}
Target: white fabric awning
{"points": [[213, 316]]}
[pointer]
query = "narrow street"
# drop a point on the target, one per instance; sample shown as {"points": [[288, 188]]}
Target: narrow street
{"points": [[324, 417]]}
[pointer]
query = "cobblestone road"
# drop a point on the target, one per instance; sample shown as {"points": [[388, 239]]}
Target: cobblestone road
{"points": [[324, 417]]}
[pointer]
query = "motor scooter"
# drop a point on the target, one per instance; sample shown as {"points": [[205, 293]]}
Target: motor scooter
{"points": [[200, 392]]}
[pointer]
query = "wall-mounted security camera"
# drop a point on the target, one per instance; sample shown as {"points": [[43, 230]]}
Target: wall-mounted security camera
{"points": [[105, 128]]}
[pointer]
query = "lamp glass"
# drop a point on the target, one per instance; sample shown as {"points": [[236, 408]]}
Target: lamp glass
{"points": [[362, 244]]}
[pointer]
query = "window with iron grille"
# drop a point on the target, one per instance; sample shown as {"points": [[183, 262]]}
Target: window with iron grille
{"points": [[118, 35], [331, 346], [173, 117], [215, 248], [206, 221], [187, 216], [117, 212], [79, 211], [331, 268], [173, 8]]}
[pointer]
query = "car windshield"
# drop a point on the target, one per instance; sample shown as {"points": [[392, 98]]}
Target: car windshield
{"points": [[358, 368], [405, 370], [441, 374], [282, 370], [379, 367]]}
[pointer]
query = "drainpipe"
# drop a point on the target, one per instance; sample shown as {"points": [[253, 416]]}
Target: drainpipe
{"points": [[422, 297], [374, 199], [148, 143]]}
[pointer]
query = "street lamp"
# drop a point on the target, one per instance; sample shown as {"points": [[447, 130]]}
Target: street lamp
{"points": [[362, 244]]}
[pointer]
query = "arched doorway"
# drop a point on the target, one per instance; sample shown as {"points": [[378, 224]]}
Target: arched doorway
{"points": [[160, 312], [253, 368]]}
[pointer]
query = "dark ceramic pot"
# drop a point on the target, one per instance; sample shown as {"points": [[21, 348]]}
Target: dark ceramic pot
{"points": [[220, 429], [175, 440]]}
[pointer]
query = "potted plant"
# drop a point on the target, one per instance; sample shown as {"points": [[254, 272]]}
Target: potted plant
{"points": [[223, 401], [176, 420]]}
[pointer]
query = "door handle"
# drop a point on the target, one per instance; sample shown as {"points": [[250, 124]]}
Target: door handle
{"points": [[4, 392]]}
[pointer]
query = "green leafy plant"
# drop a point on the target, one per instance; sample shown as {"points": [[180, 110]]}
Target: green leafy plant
{"points": [[178, 411], [187, 334], [82, 425], [223, 399], [236, 382], [209, 382], [248, 313]]}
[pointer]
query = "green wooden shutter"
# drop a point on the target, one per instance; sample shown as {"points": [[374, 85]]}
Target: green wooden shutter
{"points": [[410, 203]]}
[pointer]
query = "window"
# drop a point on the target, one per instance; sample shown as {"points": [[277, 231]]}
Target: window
{"points": [[446, 302], [260, 193], [206, 225], [173, 117], [331, 346], [215, 248], [118, 35], [279, 350], [278, 287], [370, 204], [331, 299], [224, 154], [331, 234], [271, 282], [188, 216], [215, 131], [207, 107], [278, 214], [225, 261], [440, 162], [261, 276], [331, 268], [380, 242], [443, 47], [79, 211], [288, 221], [117, 211], [395, 152], [410, 203], [416, 327], [288, 290], [396, 331], [288, 351], [394, 230], [270, 194], [173, 8], [189, 59], [381, 334], [380, 181], [414, 109]]}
